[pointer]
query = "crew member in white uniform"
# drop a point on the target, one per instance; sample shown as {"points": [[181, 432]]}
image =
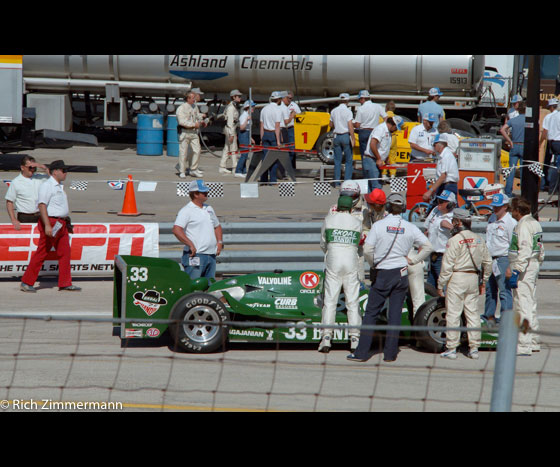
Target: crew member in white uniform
{"points": [[526, 254], [465, 258], [421, 139], [270, 130], [343, 129], [189, 121], [340, 236], [386, 248], [231, 149], [499, 233], [447, 170], [438, 227], [367, 118]]}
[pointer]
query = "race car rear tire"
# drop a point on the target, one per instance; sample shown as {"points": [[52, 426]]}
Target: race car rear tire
{"points": [[197, 324], [325, 148], [432, 313]]}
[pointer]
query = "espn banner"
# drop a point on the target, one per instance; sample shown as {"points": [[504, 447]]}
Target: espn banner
{"points": [[93, 247]]}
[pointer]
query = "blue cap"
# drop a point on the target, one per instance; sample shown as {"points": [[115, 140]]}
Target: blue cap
{"points": [[516, 98], [363, 93], [499, 200], [447, 196], [198, 185], [435, 92], [431, 117]]}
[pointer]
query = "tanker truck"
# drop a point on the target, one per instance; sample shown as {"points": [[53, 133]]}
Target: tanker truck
{"points": [[108, 91]]}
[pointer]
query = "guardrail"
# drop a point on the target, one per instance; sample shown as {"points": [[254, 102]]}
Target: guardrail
{"points": [[257, 236]]}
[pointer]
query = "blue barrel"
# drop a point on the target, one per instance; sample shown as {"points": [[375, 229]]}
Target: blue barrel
{"points": [[172, 136], [149, 135]]}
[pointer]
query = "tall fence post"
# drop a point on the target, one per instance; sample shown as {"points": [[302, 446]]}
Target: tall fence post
{"points": [[504, 371]]}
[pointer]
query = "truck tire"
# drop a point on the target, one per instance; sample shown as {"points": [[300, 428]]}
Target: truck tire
{"points": [[325, 148], [208, 336], [463, 125]]}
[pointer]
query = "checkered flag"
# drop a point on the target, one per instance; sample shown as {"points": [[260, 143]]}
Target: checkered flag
{"points": [[80, 185], [398, 184], [506, 171], [287, 189], [216, 189], [536, 168], [182, 188], [322, 188]]}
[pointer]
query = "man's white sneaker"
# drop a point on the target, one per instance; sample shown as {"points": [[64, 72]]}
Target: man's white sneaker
{"points": [[354, 341], [182, 175], [197, 173], [325, 345], [451, 354], [240, 175], [473, 354], [224, 171]]}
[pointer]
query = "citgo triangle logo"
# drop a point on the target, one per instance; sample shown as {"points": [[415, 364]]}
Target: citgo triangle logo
{"points": [[309, 279], [470, 183]]}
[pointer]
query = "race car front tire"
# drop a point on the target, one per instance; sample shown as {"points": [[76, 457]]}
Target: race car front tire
{"points": [[197, 325]]}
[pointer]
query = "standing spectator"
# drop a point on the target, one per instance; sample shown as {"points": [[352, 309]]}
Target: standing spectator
{"points": [[447, 170], [438, 229], [244, 138], [550, 176], [368, 116], [421, 139], [290, 109], [526, 254], [230, 131], [466, 258], [23, 193], [199, 229], [340, 236], [378, 148], [189, 121], [431, 106], [515, 126], [386, 248], [270, 123], [54, 228], [499, 233], [513, 111], [343, 128]]}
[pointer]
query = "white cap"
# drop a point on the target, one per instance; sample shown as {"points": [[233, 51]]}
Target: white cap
{"points": [[275, 95], [344, 96], [363, 93], [235, 92]]}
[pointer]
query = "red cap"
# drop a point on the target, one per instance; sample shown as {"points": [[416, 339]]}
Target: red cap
{"points": [[377, 196]]}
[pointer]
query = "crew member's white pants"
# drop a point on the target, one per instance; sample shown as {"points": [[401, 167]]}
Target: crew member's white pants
{"points": [[525, 303], [416, 285], [186, 139], [230, 150], [341, 271], [462, 296]]}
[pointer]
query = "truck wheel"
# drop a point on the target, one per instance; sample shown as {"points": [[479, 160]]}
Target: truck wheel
{"points": [[325, 148], [432, 313], [196, 326]]}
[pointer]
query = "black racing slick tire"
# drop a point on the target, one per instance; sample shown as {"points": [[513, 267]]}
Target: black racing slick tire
{"points": [[431, 314], [197, 324]]}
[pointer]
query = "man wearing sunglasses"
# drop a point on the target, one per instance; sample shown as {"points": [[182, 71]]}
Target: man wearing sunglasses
{"points": [[53, 231], [21, 197]]}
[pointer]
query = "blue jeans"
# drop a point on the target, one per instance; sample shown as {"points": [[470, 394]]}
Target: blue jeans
{"points": [[553, 173], [269, 139], [515, 155], [363, 137], [370, 170], [434, 269], [496, 287], [207, 267], [245, 139], [342, 148]]}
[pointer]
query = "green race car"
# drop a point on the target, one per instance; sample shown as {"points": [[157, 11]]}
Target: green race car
{"points": [[154, 296]]}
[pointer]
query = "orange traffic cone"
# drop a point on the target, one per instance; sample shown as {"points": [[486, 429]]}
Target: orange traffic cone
{"points": [[129, 204]]}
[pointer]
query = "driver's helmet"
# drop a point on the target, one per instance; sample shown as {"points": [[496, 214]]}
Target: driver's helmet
{"points": [[352, 189]]}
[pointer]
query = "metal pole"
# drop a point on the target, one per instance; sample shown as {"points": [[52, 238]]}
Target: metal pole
{"points": [[504, 371], [530, 181]]}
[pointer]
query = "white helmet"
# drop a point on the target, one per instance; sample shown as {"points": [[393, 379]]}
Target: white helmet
{"points": [[352, 189]]}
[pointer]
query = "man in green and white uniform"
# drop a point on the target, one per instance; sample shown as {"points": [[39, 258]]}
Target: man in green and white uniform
{"points": [[526, 254], [340, 236]]}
